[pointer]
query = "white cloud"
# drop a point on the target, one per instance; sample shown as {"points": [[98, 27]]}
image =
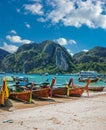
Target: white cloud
{"points": [[68, 44], [62, 41], [13, 32], [35, 8], [72, 42], [27, 25], [9, 48], [85, 50], [71, 12], [17, 39], [77, 13]]}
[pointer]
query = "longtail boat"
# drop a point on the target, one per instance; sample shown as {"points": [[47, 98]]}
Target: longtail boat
{"points": [[20, 93], [95, 88], [60, 91], [41, 93], [86, 79], [78, 91], [25, 96], [44, 91]]}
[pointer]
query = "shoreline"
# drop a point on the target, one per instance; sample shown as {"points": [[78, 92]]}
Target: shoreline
{"points": [[77, 113], [12, 105]]}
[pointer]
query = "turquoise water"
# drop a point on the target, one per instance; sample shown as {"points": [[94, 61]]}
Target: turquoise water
{"points": [[60, 79]]}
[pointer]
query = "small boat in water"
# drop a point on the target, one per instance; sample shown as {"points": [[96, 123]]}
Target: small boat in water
{"points": [[95, 88], [88, 73], [82, 79]]}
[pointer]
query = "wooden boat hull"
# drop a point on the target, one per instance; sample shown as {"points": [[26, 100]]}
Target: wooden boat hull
{"points": [[76, 92], [41, 93], [21, 96], [96, 88], [59, 91]]}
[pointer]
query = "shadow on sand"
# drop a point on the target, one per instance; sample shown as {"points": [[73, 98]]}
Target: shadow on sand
{"points": [[8, 104]]}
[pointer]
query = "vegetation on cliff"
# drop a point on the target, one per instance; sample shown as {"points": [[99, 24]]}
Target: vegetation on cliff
{"points": [[50, 57]]}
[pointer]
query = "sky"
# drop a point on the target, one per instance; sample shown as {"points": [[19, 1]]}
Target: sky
{"points": [[78, 25]]}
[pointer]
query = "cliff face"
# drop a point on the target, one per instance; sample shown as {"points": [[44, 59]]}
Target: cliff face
{"points": [[39, 58], [3, 54], [94, 59], [52, 58], [94, 55]]}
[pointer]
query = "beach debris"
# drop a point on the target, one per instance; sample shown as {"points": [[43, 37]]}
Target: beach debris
{"points": [[35, 128], [8, 121], [55, 120], [21, 123]]}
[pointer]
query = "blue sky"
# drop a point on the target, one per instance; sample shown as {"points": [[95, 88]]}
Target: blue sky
{"points": [[75, 24]]}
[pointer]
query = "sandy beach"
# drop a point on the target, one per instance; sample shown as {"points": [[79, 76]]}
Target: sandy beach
{"points": [[84, 113]]}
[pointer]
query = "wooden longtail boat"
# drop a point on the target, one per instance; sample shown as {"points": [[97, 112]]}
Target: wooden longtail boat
{"points": [[78, 91], [28, 94], [21, 96], [86, 79], [41, 93], [60, 91], [44, 91], [99, 89]]}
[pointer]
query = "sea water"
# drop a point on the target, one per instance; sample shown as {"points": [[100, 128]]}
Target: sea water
{"points": [[61, 79]]}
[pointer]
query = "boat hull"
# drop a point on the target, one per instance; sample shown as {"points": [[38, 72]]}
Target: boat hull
{"points": [[21, 96], [59, 91], [41, 93], [76, 92], [96, 88]]}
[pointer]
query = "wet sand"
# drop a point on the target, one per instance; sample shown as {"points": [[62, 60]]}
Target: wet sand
{"points": [[84, 113]]}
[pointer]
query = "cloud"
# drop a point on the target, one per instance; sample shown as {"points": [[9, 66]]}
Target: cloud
{"points": [[27, 25], [85, 50], [72, 42], [64, 42], [9, 48], [77, 13], [91, 13], [35, 8], [13, 32], [17, 39], [61, 41]]}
